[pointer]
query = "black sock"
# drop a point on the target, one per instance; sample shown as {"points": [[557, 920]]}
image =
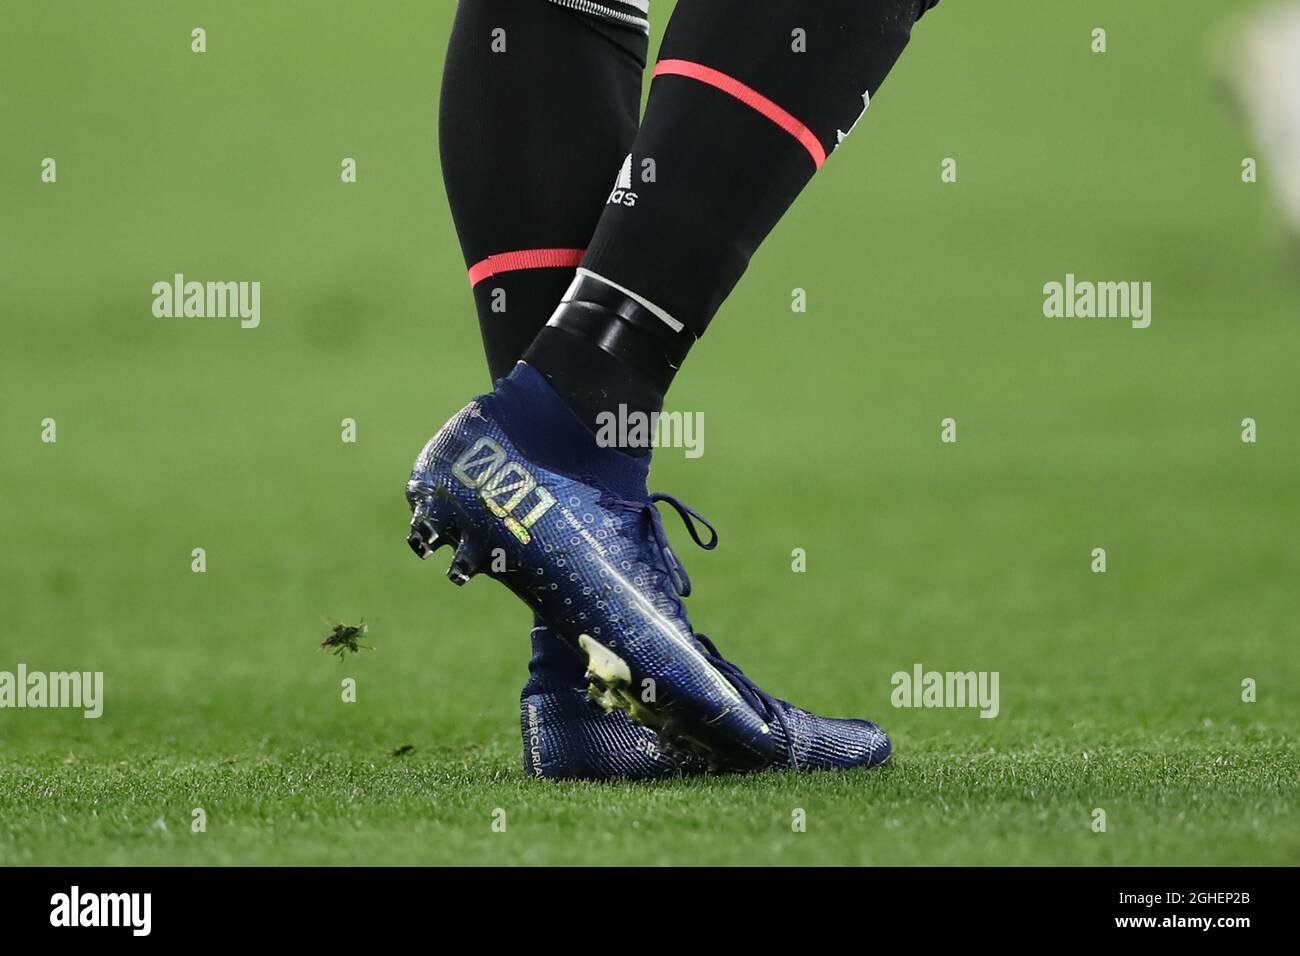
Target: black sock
{"points": [[539, 105], [527, 138], [738, 121]]}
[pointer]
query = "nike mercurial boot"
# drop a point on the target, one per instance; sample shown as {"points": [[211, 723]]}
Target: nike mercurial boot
{"points": [[517, 485]]}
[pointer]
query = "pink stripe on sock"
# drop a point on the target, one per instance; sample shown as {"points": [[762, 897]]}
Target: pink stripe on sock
{"points": [[525, 259], [750, 97]]}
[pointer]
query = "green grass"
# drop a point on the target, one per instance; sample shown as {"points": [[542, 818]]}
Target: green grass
{"points": [[1118, 691], [1210, 799]]}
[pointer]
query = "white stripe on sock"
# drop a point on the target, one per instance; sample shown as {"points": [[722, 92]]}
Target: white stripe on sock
{"points": [[650, 306]]}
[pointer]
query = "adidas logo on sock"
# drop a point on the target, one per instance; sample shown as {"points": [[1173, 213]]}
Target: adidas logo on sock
{"points": [[623, 194]]}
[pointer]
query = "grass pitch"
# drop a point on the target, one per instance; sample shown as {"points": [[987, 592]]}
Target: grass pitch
{"points": [[1119, 691]]}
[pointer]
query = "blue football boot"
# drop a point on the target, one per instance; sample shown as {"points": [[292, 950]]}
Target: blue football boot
{"points": [[568, 736], [518, 486]]}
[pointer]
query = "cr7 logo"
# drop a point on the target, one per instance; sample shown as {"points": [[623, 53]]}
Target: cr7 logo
{"points": [[503, 485]]}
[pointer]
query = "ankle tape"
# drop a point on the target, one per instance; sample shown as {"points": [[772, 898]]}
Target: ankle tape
{"points": [[618, 323]]}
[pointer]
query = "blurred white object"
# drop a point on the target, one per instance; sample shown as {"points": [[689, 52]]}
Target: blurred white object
{"points": [[1265, 68]]}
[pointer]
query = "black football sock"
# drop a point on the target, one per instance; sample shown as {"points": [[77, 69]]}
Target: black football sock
{"points": [[748, 101], [539, 106]]}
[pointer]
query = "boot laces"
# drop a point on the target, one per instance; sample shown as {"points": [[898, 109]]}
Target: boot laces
{"points": [[770, 708]]}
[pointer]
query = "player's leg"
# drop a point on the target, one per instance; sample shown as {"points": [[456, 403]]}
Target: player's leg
{"points": [[539, 105], [520, 469], [748, 101]]}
